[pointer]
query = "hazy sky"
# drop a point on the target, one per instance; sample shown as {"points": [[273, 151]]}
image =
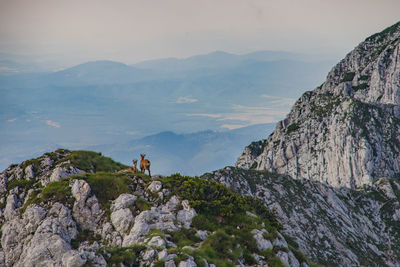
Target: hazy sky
{"points": [[73, 31]]}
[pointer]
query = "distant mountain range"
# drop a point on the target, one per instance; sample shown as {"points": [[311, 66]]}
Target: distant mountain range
{"points": [[189, 154], [105, 102]]}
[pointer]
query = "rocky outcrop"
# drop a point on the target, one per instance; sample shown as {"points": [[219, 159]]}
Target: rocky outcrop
{"points": [[332, 226], [347, 131], [122, 219], [86, 208]]}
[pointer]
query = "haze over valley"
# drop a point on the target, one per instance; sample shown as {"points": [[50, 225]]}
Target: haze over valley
{"points": [[104, 104]]}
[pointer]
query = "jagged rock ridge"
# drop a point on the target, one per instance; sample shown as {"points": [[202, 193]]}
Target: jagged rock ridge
{"points": [[73, 209], [332, 226], [347, 131]]}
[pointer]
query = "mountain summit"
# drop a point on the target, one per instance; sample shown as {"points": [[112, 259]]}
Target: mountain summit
{"points": [[346, 132]]}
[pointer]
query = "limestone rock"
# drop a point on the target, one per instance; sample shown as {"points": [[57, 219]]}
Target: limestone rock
{"points": [[86, 210], [157, 241], [187, 263], [262, 243], [29, 174], [186, 215], [63, 171], [12, 204], [201, 234], [155, 186], [347, 131], [122, 219], [123, 201], [73, 258]]}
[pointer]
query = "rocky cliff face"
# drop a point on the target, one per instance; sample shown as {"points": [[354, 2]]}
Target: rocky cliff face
{"points": [[332, 226], [347, 131], [72, 209]]}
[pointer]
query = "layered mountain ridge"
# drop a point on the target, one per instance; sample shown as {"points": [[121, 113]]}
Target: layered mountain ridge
{"points": [[346, 132]]}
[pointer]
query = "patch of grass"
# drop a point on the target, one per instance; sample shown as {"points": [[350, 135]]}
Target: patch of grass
{"points": [[24, 184], [184, 237], [90, 161], [33, 198], [290, 241], [143, 205], [123, 256], [363, 78], [273, 261], [84, 235], [206, 222], [160, 263], [106, 186], [214, 199], [224, 213], [292, 128], [180, 257], [299, 255], [34, 162], [56, 192]]}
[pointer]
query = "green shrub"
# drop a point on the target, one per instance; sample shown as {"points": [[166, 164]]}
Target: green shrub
{"points": [[363, 78], [290, 241], [56, 192], [142, 204], [299, 255], [292, 128], [205, 222], [122, 255], [24, 184], [361, 86], [214, 199], [254, 165], [90, 161], [84, 235], [348, 77], [272, 260], [184, 237], [160, 263], [108, 186]]}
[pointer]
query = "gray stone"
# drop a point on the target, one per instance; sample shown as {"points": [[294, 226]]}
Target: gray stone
{"points": [[149, 254], [157, 241], [73, 258], [29, 174], [262, 243], [170, 263], [123, 201], [80, 190], [202, 234], [155, 186], [12, 204], [162, 255], [187, 263], [61, 172], [122, 219], [186, 215], [86, 210]]}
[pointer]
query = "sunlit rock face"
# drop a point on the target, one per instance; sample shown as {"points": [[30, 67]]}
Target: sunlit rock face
{"points": [[346, 132]]}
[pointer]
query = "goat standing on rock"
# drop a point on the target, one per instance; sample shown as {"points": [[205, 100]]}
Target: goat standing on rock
{"points": [[144, 164]]}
